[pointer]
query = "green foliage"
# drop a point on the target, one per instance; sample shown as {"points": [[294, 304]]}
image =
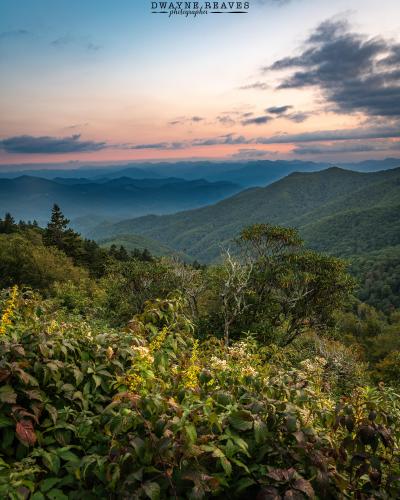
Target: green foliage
{"points": [[379, 277], [129, 284], [86, 411], [377, 336], [118, 384], [337, 211], [287, 290], [26, 261]]}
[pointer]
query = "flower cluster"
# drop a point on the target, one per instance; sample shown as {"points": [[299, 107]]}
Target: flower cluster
{"points": [[190, 376], [144, 353], [218, 363], [158, 341], [9, 311], [133, 381]]}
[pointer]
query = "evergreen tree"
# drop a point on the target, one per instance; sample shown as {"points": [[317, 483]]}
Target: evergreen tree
{"points": [[7, 225], [56, 228], [59, 235]]}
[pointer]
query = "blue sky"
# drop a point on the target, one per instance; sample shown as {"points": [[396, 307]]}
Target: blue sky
{"points": [[99, 81]]}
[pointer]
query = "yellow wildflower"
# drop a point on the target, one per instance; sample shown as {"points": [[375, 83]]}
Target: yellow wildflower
{"points": [[158, 341], [191, 374], [9, 311], [133, 381]]}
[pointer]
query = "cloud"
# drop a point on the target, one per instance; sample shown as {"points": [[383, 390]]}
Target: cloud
{"points": [[27, 144], [356, 147], [226, 120], [80, 41], [299, 117], [257, 120], [333, 135], [184, 119], [306, 137], [222, 139], [278, 110], [158, 145], [14, 34], [354, 72], [255, 86], [248, 154]]}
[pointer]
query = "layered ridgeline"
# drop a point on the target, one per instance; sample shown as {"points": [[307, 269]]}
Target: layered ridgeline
{"points": [[246, 173], [337, 211], [344, 213], [29, 197]]}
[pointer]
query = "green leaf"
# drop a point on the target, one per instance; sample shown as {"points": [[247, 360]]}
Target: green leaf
{"points": [[191, 432], [97, 380], [37, 496], [52, 412], [226, 465], [5, 421], [56, 495], [260, 431], [67, 455], [152, 490], [241, 420], [8, 395], [243, 484], [51, 461], [47, 484]]}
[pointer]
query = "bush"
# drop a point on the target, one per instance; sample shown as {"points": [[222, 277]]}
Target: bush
{"points": [[28, 262], [148, 412]]}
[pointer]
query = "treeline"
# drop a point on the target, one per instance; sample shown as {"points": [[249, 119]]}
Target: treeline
{"points": [[52, 252]]}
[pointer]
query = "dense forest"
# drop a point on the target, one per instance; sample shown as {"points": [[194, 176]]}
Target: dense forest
{"points": [[265, 375]]}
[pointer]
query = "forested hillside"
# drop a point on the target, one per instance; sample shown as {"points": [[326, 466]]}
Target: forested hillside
{"points": [[344, 213], [123, 375], [305, 201]]}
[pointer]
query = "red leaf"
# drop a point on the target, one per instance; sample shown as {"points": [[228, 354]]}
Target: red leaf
{"points": [[25, 432], [305, 487], [4, 374]]}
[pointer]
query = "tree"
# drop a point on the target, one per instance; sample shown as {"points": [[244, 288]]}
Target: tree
{"points": [[59, 235], [56, 228], [191, 282], [8, 226], [276, 289], [234, 291]]}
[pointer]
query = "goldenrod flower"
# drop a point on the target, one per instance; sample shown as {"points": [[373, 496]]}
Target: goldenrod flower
{"points": [[9, 311], [191, 374], [133, 381], [158, 341]]}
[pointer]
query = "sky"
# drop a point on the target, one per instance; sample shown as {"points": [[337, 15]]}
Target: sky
{"points": [[106, 81]]}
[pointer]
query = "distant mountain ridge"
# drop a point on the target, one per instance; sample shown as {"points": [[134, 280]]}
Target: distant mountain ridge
{"points": [[28, 197], [339, 211], [247, 173]]}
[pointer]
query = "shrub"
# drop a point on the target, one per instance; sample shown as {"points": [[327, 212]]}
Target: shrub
{"points": [[149, 412]]}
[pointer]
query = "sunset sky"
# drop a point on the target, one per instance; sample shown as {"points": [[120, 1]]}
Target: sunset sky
{"points": [[102, 80]]}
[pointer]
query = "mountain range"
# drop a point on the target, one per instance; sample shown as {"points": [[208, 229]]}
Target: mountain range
{"points": [[338, 211], [244, 173], [28, 197]]}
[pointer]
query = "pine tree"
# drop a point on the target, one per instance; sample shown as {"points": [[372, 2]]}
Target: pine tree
{"points": [[56, 228], [58, 234], [8, 224]]}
